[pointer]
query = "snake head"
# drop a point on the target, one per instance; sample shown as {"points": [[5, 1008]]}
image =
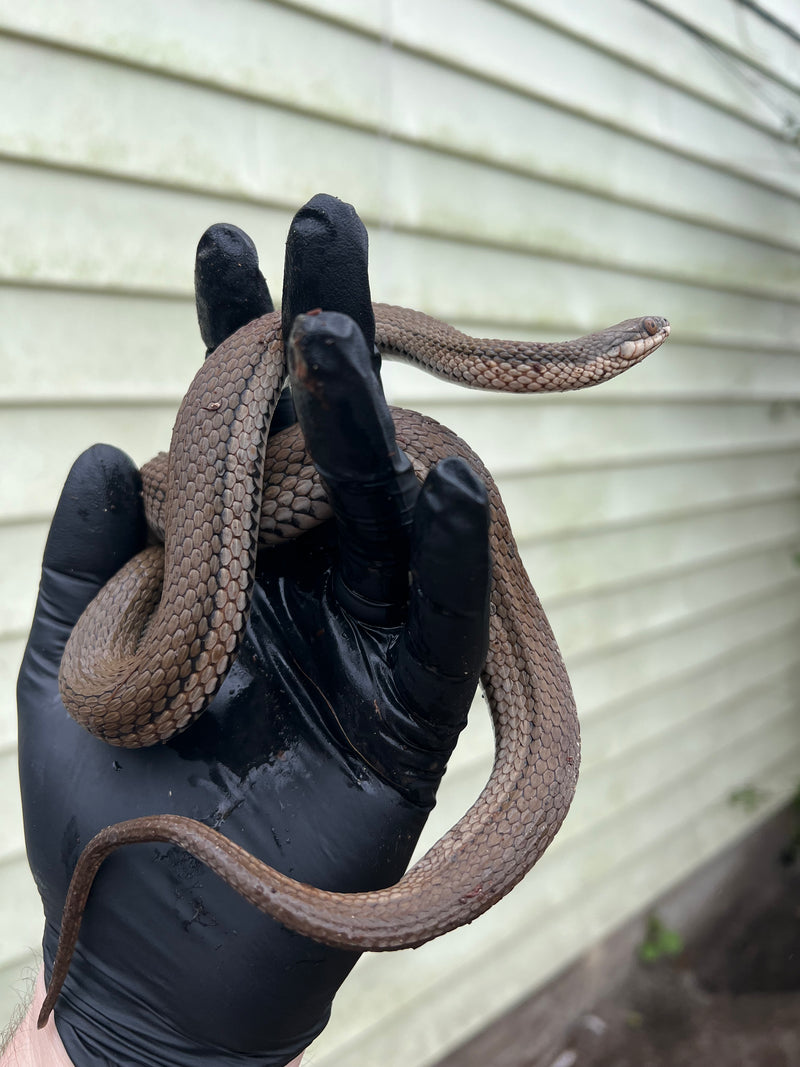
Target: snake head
{"points": [[636, 338]]}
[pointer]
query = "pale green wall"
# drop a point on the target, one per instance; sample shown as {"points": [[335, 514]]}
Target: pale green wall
{"points": [[527, 167]]}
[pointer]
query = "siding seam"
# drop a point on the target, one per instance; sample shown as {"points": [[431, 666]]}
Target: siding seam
{"points": [[351, 123], [687, 621], [443, 60], [526, 250], [659, 75]]}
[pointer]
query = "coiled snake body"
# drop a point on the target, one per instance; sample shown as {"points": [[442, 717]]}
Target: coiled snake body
{"points": [[144, 661]]}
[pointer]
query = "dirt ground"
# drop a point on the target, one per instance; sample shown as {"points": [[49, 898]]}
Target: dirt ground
{"points": [[731, 998]]}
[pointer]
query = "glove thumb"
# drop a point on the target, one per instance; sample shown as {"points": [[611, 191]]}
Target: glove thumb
{"points": [[97, 527]]}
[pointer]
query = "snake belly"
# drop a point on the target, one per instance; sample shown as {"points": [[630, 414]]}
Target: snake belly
{"points": [[154, 646]]}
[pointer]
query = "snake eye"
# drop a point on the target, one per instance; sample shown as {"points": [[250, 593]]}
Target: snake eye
{"points": [[650, 325]]}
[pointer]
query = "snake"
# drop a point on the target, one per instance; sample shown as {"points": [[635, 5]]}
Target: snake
{"points": [[150, 651]]}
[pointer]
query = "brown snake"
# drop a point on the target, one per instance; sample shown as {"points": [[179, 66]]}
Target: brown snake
{"points": [[143, 663]]}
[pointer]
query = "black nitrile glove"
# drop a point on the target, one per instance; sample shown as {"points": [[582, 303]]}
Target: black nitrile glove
{"points": [[322, 752]]}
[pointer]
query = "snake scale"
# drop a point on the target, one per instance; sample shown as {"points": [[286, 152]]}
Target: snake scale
{"points": [[154, 646]]}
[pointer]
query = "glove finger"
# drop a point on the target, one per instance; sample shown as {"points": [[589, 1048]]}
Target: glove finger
{"points": [[231, 291], [370, 482], [327, 254], [98, 526], [445, 640]]}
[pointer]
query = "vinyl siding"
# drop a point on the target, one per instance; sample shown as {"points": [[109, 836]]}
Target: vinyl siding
{"points": [[525, 168]]}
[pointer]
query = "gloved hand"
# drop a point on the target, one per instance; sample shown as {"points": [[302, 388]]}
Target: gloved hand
{"points": [[322, 752]]}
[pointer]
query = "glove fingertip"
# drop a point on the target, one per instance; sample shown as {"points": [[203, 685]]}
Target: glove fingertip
{"points": [[326, 265], [230, 290]]}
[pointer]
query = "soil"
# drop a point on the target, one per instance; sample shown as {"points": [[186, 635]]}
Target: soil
{"points": [[731, 998]]}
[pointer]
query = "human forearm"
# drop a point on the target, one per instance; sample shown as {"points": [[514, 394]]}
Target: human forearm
{"points": [[30, 1047]]}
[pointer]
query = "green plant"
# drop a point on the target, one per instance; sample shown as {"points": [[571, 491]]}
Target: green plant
{"points": [[659, 941], [748, 797]]}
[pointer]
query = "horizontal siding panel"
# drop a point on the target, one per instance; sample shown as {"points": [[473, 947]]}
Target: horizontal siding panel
{"points": [[115, 235], [497, 43], [688, 373], [260, 33], [759, 647], [570, 565], [585, 625], [104, 121], [651, 716], [450, 280], [606, 432], [682, 57], [745, 33], [62, 434], [246, 46], [87, 237], [67, 345], [234, 55], [472, 758], [511, 434], [504, 435], [546, 503], [731, 732], [617, 674], [688, 805], [300, 156]]}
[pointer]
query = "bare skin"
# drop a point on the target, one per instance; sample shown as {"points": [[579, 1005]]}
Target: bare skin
{"points": [[32, 1047]]}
